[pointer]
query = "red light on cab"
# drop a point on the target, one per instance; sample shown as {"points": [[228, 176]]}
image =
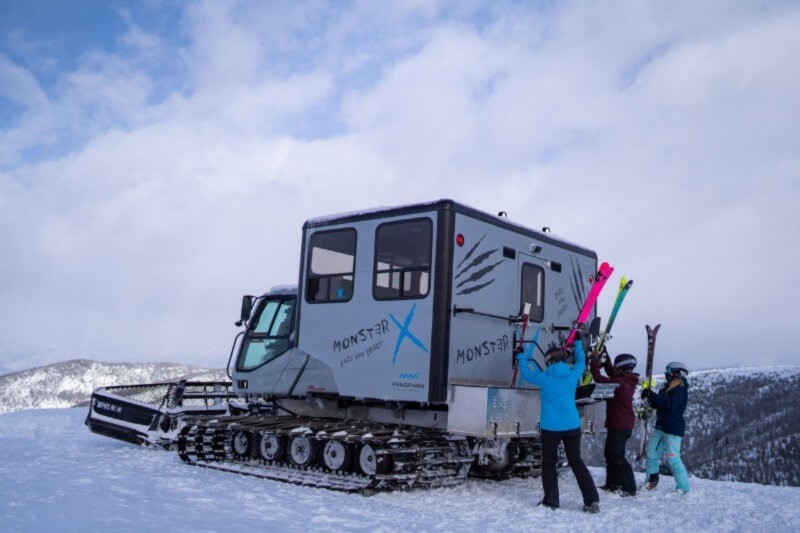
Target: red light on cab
{"points": [[460, 239]]}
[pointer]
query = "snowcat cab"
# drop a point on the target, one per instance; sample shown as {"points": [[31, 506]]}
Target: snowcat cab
{"points": [[267, 335]]}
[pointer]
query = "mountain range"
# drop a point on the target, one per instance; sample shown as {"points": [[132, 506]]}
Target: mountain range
{"points": [[741, 424], [71, 383]]}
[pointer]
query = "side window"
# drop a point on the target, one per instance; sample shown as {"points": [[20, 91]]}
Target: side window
{"points": [[533, 290], [331, 266], [402, 259]]}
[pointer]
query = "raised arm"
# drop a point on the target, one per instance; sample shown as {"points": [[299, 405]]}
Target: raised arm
{"points": [[580, 360], [594, 368], [534, 376]]}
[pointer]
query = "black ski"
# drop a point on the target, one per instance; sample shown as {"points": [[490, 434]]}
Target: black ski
{"points": [[645, 411]]}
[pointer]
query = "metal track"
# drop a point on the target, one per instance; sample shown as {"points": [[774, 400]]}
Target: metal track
{"points": [[334, 454]]}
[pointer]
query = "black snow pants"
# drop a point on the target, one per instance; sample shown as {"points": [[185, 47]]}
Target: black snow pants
{"points": [[619, 473], [572, 447]]}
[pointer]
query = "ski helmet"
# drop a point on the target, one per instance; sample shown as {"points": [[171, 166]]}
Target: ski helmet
{"points": [[676, 369], [555, 355], [625, 362]]}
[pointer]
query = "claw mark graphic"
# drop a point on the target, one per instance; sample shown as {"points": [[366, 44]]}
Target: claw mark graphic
{"points": [[475, 279], [471, 251], [478, 274], [475, 288], [478, 260], [577, 284]]}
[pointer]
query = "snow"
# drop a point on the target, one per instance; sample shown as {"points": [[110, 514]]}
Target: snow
{"points": [[283, 289], [58, 476]]}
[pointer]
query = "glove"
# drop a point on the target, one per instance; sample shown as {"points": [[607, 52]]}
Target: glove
{"points": [[645, 393], [577, 335], [604, 356], [521, 359]]}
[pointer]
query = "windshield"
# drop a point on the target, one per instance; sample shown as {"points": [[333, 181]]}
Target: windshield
{"points": [[270, 334]]}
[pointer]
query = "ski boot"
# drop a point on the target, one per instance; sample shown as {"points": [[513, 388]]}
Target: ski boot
{"points": [[547, 505], [651, 483], [592, 508]]}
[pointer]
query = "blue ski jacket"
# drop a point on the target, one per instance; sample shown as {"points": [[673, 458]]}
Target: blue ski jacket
{"points": [[670, 403], [558, 383]]}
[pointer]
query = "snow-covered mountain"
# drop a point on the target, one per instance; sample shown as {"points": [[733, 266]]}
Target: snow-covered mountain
{"points": [[71, 383]]}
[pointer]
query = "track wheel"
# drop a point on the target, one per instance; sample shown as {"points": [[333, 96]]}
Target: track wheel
{"points": [[241, 443], [301, 451], [336, 455], [370, 463], [271, 447]]}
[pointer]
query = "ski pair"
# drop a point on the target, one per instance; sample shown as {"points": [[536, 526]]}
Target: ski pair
{"points": [[644, 413], [600, 279], [624, 287]]}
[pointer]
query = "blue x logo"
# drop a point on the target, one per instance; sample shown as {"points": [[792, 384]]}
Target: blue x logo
{"points": [[405, 333]]}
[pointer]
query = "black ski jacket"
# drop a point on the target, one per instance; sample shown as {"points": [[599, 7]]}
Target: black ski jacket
{"points": [[670, 403]]}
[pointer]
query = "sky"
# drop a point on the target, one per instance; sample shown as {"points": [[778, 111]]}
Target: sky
{"points": [[158, 159]]}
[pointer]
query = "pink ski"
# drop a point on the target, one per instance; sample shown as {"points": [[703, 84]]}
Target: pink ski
{"points": [[594, 292]]}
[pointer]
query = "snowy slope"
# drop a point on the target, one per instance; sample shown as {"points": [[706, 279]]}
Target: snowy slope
{"points": [[72, 382], [57, 476]]}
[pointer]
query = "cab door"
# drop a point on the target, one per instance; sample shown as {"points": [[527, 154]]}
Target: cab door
{"points": [[531, 292]]}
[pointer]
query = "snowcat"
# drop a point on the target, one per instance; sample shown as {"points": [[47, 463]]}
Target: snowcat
{"points": [[390, 365]]}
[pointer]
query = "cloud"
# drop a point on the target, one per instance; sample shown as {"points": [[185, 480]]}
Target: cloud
{"points": [[19, 85], [169, 172]]}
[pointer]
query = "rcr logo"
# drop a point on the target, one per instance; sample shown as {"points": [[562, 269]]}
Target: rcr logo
{"points": [[105, 406]]}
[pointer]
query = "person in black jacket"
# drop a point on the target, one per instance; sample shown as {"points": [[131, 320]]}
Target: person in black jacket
{"points": [[619, 418], [560, 422], [669, 403]]}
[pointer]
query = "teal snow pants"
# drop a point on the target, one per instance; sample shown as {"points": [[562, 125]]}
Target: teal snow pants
{"points": [[659, 443]]}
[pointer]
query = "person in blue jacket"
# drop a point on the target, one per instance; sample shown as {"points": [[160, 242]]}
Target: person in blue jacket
{"points": [[559, 421], [670, 404]]}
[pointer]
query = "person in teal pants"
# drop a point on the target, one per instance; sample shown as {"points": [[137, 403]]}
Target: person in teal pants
{"points": [[670, 404]]}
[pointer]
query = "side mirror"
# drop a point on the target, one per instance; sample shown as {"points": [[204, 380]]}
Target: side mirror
{"points": [[247, 309]]}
